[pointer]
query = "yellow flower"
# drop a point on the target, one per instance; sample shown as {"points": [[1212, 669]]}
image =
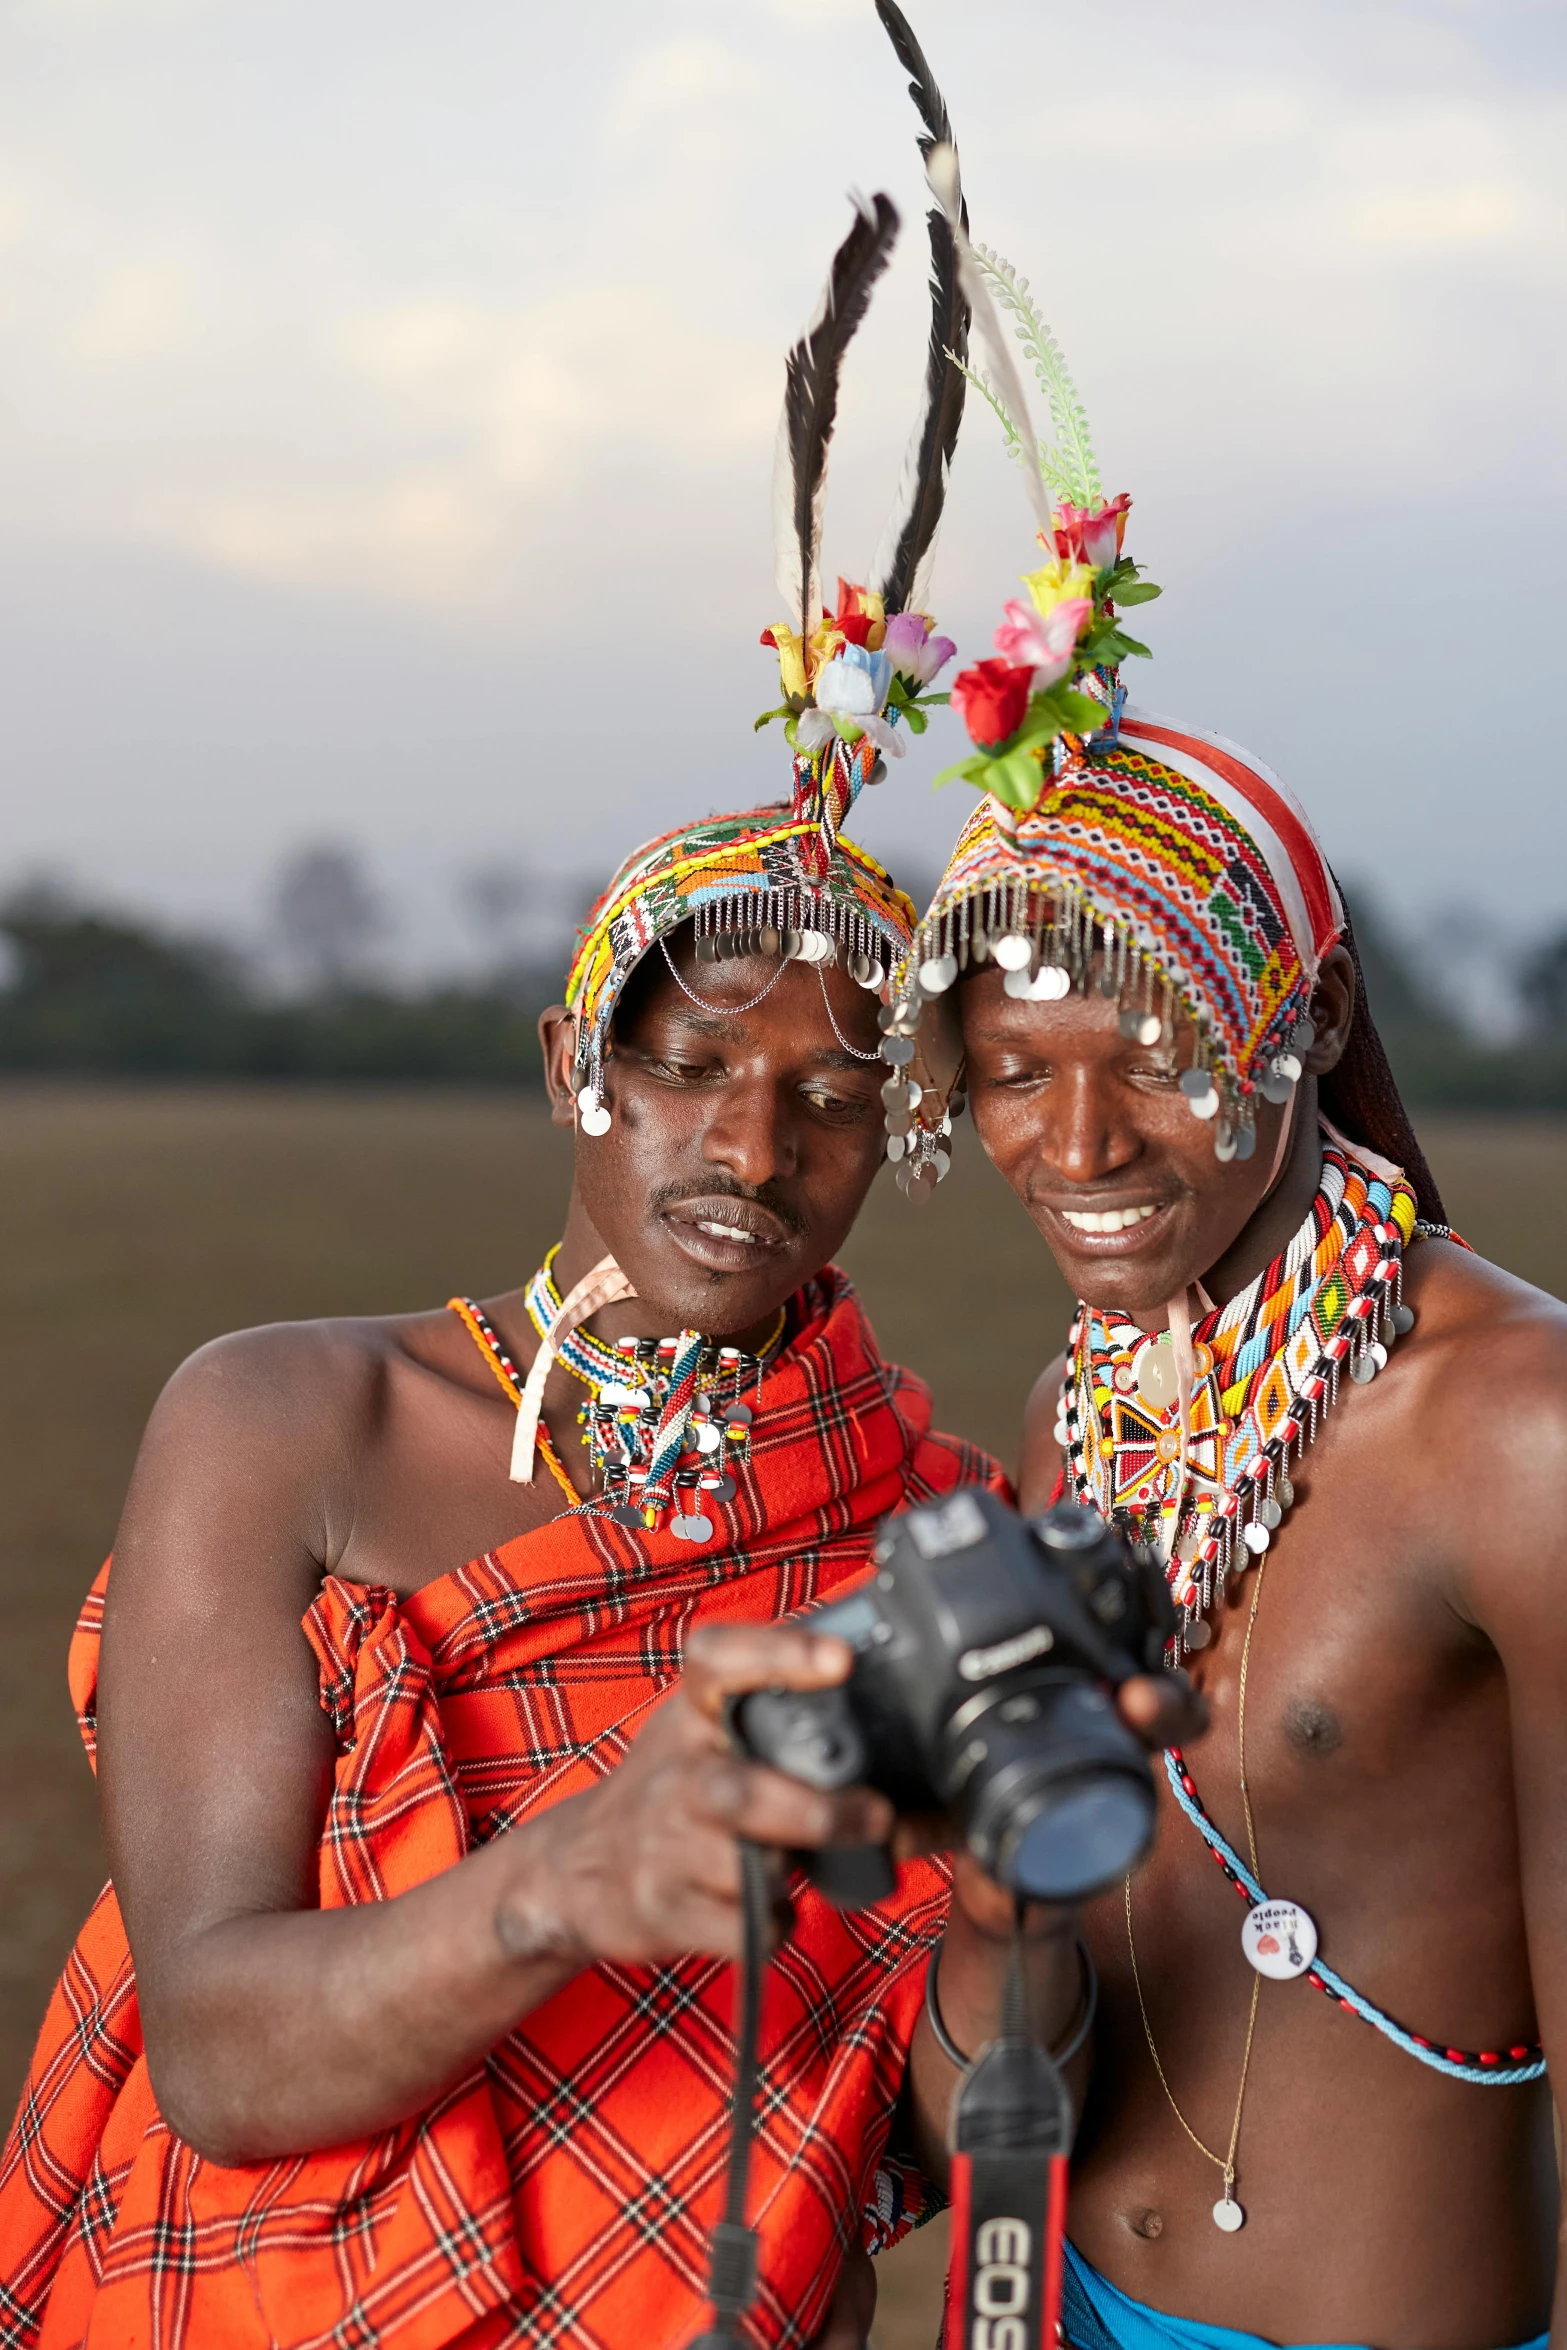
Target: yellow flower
{"points": [[791, 658], [1057, 582], [826, 639]]}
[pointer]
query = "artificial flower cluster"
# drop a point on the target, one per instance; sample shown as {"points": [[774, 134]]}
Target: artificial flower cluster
{"points": [[1018, 704], [858, 673]]}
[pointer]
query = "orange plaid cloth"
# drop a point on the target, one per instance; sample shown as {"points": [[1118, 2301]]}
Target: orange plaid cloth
{"points": [[563, 2193]]}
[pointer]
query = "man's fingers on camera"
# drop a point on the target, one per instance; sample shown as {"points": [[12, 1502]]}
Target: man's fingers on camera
{"points": [[726, 1660], [751, 1800], [917, 1833], [1163, 1708]]}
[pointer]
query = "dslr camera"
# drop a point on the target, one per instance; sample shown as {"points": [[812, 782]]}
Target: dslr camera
{"points": [[987, 1648]]}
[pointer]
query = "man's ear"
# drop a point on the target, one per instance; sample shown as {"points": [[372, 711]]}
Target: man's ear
{"points": [[1332, 1010], [558, 1042]]}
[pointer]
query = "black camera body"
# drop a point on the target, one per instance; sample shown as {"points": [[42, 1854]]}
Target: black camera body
{"points": [[986, 1651]]}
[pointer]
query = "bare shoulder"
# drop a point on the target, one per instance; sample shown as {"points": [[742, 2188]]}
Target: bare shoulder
{"points": [[1488, 1364], [264, 1430], [1476, 1324], [293, 1376], [1041, 1457]]}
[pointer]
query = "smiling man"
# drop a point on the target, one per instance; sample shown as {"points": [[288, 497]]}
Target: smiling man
{"points": [[1346, 1436], [407, 2018]]}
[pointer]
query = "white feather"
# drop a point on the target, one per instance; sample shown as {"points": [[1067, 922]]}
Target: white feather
{"points": [[786, 547], [942, 173]]}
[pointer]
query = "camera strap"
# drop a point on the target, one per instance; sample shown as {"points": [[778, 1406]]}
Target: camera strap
{"points": [[1010, 2137], [731, 2279]]}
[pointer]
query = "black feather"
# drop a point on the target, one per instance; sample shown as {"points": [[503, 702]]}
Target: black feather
{"points": [[922, 490], [811, 402], [922, 82]]}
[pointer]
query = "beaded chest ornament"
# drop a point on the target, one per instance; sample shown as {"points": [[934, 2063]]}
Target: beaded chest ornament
{"points": [[666, 1419], [1266, 1371]]}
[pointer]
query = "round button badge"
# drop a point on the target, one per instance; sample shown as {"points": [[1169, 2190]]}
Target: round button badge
{"points": [[1279, 1939]]}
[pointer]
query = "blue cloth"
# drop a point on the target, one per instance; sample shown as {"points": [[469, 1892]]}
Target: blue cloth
{"points": [[1096, 2316]]}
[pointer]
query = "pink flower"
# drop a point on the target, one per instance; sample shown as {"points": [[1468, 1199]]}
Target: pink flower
{"points": [[916, 653], [1043, 642], [1093, 535]]}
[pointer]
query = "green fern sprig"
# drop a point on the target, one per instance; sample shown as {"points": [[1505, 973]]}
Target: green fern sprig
{"points": [[1052, 472], [1074, 461]]}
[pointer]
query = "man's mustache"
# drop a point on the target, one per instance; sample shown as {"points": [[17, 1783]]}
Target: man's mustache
{"points": [[765, 1195]]}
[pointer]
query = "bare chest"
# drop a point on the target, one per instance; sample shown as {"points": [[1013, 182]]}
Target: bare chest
{"points": [[1369, 1721], [1377, 1766]]}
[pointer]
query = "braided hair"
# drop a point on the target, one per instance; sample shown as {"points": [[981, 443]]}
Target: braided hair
{"points": [[1361, 1097]]}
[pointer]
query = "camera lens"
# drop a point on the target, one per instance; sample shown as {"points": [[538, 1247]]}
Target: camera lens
{"points": [[1055, 1793], [1082, 1837]]}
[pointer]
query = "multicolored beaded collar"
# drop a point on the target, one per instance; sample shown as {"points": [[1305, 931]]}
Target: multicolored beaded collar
{"points": [[665, 1418], [1267, 1370]]}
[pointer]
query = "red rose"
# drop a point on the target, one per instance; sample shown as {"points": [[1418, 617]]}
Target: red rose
{"points": [[853, 627], [852, 620], [991, 699]]}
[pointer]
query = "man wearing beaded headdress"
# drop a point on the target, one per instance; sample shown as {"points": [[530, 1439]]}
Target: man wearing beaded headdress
{"points": [[1285, 1372], [406, 2020]]}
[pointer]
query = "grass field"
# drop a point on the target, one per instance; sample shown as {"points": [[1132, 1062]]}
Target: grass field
{"points": [[139, 1222]]}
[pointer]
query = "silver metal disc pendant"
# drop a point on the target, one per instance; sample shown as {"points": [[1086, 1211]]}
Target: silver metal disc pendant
{"points": [[1227, 2214], [691, 1528]]}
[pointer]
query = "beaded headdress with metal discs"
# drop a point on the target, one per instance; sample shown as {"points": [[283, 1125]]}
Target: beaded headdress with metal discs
{"points": [[784, 881], [1111, 849], [738, 880]]}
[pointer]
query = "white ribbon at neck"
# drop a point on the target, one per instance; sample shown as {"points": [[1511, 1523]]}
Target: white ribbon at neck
{"points": [[602, 1287]]}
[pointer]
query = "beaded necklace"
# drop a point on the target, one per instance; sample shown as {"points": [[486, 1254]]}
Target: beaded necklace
{"points": [[665, 1418], [488, 1340], [1267, 1371]]}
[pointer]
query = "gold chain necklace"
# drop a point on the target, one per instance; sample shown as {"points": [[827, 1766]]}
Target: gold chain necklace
{"points": [[1227, 2213]]}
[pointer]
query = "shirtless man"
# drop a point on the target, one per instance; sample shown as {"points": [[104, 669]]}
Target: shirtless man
{"points": [[1405, 1736]]}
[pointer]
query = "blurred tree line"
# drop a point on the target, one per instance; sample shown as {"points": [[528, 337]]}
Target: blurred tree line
{"points": [[84, 992], [87, 993], [1439, 1062]]}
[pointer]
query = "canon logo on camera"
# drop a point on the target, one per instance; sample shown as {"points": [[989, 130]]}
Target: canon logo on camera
{"points": [[981, 1664]]}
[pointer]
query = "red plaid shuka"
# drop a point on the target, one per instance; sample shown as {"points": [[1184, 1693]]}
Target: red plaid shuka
{"points": [[564, 2192]]}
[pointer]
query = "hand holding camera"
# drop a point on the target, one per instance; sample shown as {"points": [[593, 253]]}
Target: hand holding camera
{"points": [[987, 1653]]}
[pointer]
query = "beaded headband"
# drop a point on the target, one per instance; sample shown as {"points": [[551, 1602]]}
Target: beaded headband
{"points": [[1112, 849], [739, 880], [784, 881]]}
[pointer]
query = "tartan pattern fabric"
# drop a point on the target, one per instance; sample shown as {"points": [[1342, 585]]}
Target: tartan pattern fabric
{"points": [[734, 873], [1198, 858], [563, 2193]]}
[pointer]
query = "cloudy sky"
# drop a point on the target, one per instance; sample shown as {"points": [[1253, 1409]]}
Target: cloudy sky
{"points": [[387, 395]]}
